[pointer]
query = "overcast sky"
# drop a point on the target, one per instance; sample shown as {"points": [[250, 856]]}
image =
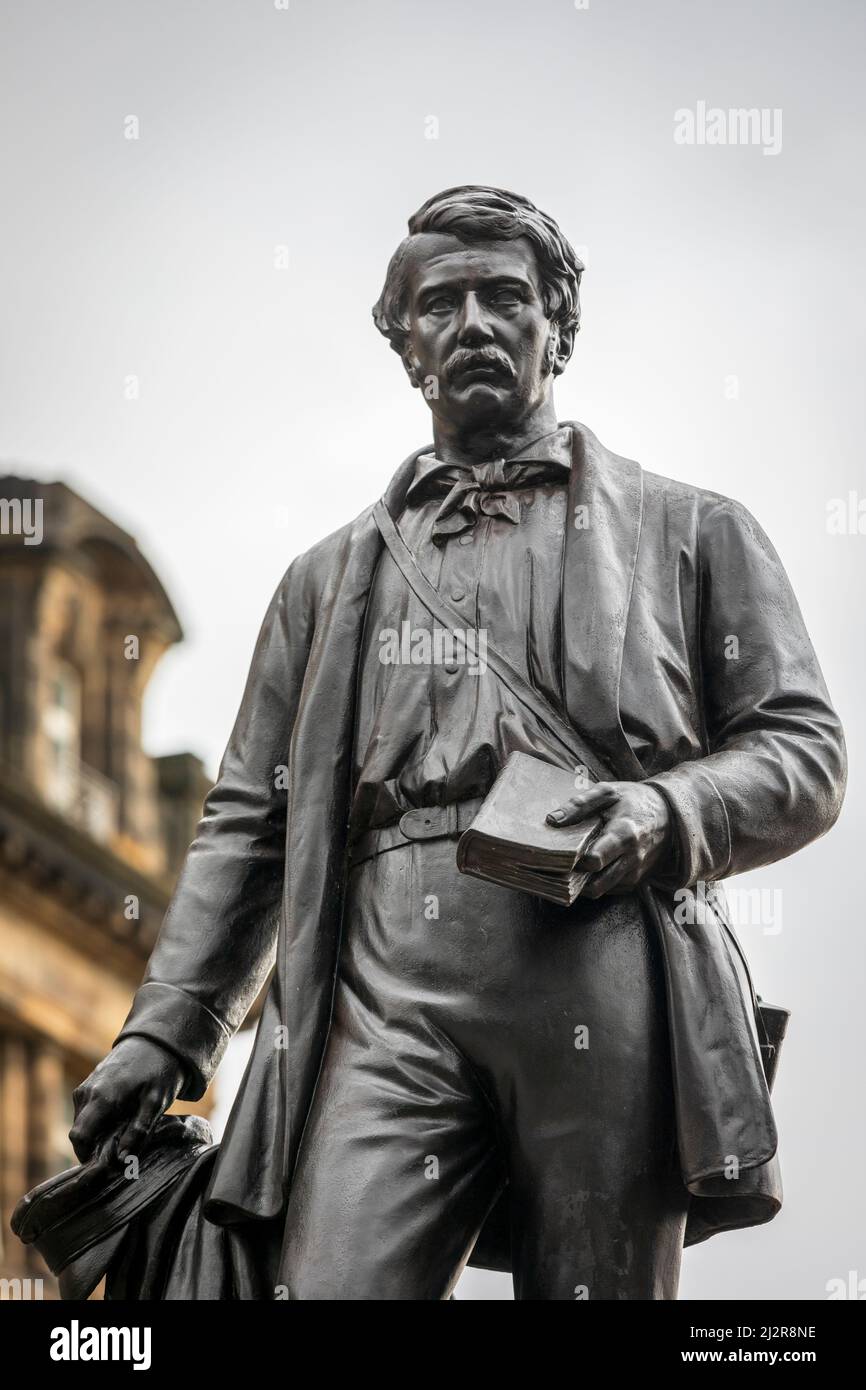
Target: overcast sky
{"points": [[722, 343]]}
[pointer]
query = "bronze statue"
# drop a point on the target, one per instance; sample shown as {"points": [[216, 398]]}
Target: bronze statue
{"points": [[447, 1069]]}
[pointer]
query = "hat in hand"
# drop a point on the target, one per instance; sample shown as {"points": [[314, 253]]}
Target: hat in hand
{"points": [[78, 1219]]}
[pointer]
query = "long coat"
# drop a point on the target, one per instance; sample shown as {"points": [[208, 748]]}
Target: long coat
{"points": [[658, 577]]}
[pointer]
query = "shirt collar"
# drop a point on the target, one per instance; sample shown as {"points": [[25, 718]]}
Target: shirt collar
{"points": [[555, 447]]}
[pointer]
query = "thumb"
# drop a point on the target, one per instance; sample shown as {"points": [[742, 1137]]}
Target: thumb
{"points": [[583, 804]]}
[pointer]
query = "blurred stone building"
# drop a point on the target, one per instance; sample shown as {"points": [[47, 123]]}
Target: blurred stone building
{"points": [[92, 829]]}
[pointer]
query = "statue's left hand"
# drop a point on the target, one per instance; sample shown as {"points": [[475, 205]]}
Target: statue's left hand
{"points": [[635, 839], [124, 1096]]}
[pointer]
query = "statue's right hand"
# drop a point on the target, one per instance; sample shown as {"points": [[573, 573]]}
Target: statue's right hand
{"points": [[123, 1097]]}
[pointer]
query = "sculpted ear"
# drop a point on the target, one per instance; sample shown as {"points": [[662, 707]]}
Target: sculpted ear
{"points": [[562, 346], [412, 366], [412, 369]]}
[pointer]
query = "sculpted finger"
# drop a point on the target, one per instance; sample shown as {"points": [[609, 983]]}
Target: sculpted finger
{"points": [[83, 1143], [582, 804], [151, 1106], [608, 880], [90, 1125], [603, 850], [81, 1096], [133, 1137]]}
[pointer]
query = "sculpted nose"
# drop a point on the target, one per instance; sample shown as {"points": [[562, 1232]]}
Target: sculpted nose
{"points": [[474, 328]]}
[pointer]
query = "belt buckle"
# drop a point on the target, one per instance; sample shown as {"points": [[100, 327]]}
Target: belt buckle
{"points": [[425, 823]]}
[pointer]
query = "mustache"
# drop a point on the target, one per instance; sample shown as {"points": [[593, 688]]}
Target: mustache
{"points": [[465, 359]]}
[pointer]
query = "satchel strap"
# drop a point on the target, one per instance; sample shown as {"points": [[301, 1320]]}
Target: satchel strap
{"points": [[543, 710], [448, 617]]}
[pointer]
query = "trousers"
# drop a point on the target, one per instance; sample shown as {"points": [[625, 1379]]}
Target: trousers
{"points": [[483, 1037]]}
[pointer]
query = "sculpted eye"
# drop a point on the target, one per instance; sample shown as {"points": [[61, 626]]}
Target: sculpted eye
{"points": [[440, 305], [506, 298]]}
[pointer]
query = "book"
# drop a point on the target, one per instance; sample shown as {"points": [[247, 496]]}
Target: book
{"points": [[510, 842]]}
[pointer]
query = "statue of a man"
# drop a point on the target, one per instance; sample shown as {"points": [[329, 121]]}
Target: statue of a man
{"points": [[447, 1069]]}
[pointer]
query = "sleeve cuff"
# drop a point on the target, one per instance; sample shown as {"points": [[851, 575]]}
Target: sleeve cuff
{"points": [[702, 829], [175, 1020]]}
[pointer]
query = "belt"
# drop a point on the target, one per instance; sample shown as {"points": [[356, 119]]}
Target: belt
{"points": [[426, 823]]}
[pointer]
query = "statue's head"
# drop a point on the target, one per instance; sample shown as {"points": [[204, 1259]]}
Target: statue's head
{"points": [[481, 301]]}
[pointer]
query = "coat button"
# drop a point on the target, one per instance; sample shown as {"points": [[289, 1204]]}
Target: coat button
{"points": [[465, 538], [457, 595]]}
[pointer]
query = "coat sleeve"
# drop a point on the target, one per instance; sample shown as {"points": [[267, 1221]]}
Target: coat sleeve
{"points": [[774, 778], [217, 941]]}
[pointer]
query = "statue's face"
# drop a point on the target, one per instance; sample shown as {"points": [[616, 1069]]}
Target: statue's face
{"points": [[478, 333]]}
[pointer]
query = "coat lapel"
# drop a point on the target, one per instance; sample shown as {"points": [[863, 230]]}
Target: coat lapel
{"points": [[600, 554]]}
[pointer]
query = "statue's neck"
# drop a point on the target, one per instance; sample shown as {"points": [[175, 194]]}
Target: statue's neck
{"points": [[499, 439]]}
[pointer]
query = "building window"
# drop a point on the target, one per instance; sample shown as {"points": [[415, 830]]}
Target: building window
{"points": [[61, 722], [84, 796]]}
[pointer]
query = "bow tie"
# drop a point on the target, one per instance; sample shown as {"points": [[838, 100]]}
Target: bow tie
{"points": [[485, 489]]}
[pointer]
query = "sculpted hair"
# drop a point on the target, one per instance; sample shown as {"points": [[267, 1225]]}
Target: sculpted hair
{"points": [[474, 212]]}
